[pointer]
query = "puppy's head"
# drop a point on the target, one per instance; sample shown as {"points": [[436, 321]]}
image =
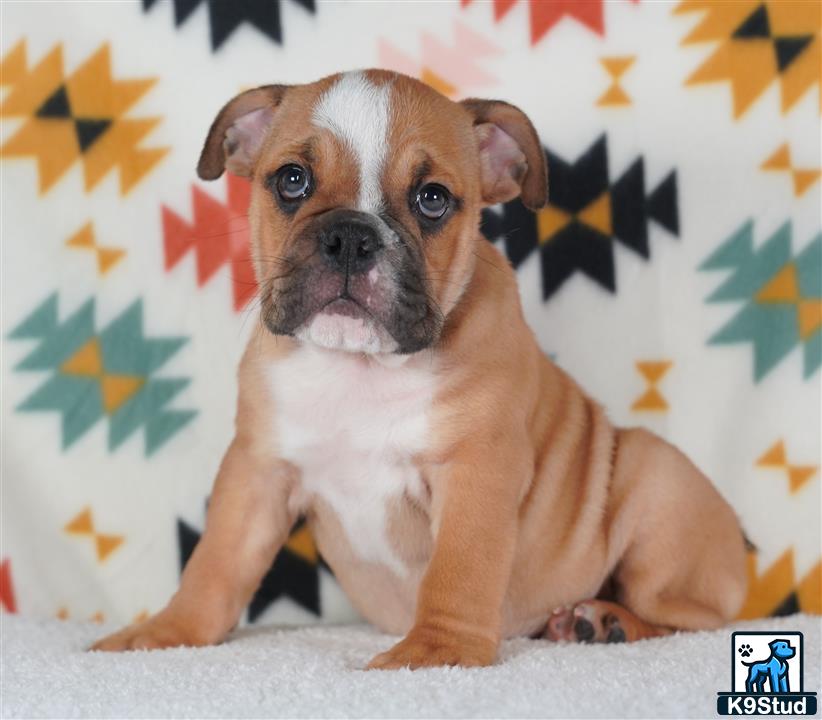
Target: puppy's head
{"points": [[366, 195]]}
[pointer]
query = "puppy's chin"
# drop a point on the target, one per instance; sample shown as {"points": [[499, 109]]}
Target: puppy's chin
{"points": [[341, 328]]}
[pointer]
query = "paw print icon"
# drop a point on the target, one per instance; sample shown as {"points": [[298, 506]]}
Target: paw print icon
{"points": [[745, 650]]}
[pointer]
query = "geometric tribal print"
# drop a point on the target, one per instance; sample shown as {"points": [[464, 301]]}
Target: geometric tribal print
{"points": [[616, 67], [777, 591], [102, 374], [586, 214], [79, 117], [782, 295], [457, 65], [545, 15], [219, 235], [777, 458], [106, 257], [225, 16], [759, 43], [652, 400], [780, 161], [83, 524], [295, 572]]}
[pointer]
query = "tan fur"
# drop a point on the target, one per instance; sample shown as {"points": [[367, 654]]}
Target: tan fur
{"points": [[532, 499]]}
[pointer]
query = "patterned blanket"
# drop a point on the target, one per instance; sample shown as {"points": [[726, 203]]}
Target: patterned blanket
{"points": [[676, 272]]}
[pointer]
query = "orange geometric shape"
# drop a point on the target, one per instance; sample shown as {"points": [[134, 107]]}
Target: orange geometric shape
{"points": [[798, 475], [77, 117], [809, 591], [550, 220], [779, 160], [598, 214], [107, 544], [810, 317], [616, 67], [62, 613], [803, 179], [302, 543], [750, 63], [653, 371], [782, 287], [82, 524], [86, 362], [108, 258], [98, 617], [119, 389], [83, 238], [774, 457], [7, 601], [768, 591]]}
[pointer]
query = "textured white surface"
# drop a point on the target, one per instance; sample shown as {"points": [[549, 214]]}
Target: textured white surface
{"points": [[316, 672]]}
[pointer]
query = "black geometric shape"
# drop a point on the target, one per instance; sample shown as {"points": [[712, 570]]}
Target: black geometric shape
{"points": [[755, 26], [789, 606], [662, 205], [516, 225], [225, 16], [574, 187], [629, 219], [289, 575], [88, 130], [577, 247], [56, 105], [788, 48]]}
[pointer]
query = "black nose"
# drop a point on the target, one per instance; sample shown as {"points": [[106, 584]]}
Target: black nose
{"points": [[350, 246]]}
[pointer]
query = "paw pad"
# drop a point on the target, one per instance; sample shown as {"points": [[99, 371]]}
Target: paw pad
{"points": [[745, 650]]}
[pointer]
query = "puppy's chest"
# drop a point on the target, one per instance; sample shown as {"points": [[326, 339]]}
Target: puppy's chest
{"points": [[353, 428]]}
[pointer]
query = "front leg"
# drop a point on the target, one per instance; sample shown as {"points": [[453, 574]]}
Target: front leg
{"points": [[459, 605], [248, 522]]}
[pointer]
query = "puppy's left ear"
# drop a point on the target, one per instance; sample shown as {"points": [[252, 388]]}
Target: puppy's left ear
{"points": [[237, 133], [511, 158]]}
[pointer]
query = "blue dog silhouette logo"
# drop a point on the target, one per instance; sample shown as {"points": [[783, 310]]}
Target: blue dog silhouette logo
{"points": [[766, 676], [772, 671]]}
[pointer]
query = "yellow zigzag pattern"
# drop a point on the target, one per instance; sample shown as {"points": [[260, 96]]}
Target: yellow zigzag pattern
{"points": [[79, 117]]}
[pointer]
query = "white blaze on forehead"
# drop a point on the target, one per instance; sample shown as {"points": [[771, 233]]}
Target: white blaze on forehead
{"points": [[357, 112]]}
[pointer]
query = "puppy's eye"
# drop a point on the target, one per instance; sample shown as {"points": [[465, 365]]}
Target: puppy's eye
{"points": [[292, 182], [432, 201]]}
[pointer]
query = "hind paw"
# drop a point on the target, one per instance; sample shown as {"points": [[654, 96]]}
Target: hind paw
{"points": [[590, 621]]}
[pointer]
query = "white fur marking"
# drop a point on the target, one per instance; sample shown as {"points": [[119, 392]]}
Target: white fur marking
{"points": [[357, 112], [352, 426]]}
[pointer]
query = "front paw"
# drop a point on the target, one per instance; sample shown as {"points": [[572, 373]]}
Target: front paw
{"points": [[156, 633], [434, 648]]}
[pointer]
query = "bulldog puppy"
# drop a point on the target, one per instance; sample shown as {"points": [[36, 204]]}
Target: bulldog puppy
{"points": [[462, 487]]}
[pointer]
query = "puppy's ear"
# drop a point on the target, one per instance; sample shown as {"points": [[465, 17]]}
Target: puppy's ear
{"points": [[237, 133], [511, 156]]}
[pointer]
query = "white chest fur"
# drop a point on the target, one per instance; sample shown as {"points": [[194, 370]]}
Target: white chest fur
{"points": [[352, 425]]}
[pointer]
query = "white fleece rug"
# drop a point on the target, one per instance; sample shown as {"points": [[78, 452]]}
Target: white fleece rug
{"points": [[316, 672]]}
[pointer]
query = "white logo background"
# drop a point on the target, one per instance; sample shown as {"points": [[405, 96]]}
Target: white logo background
{"points": [[761, 652]]}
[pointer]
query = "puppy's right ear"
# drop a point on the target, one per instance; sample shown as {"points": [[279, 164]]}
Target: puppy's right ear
{"points": [[237, 133]]}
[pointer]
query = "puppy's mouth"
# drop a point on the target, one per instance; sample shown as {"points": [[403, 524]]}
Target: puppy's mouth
{"points": [[346, 306]]}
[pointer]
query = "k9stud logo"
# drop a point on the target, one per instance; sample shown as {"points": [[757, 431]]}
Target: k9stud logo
{"points": [[766, 676]]}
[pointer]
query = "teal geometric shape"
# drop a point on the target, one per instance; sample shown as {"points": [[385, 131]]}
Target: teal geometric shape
{"points": [[125, 351], [773, 328], [58, 343]]}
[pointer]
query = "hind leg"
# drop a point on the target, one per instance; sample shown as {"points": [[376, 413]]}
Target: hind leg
{"points": [[680, 552], [675, 546]]}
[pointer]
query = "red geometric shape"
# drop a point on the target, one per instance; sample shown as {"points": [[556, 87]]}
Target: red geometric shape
{"points": [[545, 14], [6, 589], [219, 235]]}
